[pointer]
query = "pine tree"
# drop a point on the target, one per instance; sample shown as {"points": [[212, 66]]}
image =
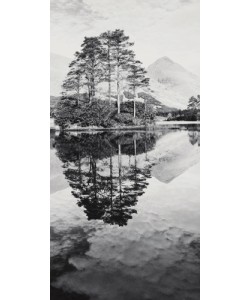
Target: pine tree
{"points": [[198, 102], [123, 56], [137, 79], [108, 58], [74, 82], [194, 103], [194, 107], [91, 63]]}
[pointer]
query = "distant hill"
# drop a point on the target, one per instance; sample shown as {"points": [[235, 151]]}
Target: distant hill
{"points": [[58, 71], [171, 84], [156, 103]]}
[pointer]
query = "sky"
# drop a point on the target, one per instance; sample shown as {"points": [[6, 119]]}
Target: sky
{"points": [[157, 27]]}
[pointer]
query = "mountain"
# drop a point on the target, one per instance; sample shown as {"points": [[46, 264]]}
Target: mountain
{"points": [[171, 84], [58, 70]]}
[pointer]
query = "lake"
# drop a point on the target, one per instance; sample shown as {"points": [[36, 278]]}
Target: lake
{"points": [[125, 214]]}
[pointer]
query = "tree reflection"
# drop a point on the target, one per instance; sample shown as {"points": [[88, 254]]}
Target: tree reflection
{"points": [[104, 173], [194, 134]]}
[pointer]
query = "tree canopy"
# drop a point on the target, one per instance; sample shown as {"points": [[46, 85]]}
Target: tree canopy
{"points": [[108, 58]]}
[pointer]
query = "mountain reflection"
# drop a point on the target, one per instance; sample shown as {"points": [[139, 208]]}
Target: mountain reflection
{"points": [[107, 172]]}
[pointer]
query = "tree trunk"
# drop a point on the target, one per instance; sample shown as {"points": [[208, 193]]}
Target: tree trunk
{"points": [[134, 104], [92, 76], [135, 152], [89, 92], [118, 90], [93, 88], [94, 178], [145, 145], [120, 170], [78, 92], [110, 89], [111, 182], [78, 98], [79, 168], [109, 75], [92, 93], [118, 98]]}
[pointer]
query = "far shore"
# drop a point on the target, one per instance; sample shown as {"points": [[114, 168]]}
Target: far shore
{"points": [[157, 125], [176, 122]]}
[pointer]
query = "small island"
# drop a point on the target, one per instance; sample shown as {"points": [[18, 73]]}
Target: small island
{"points": [[107, 88]]}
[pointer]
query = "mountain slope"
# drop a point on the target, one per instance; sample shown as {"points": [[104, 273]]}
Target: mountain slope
{"points": [[171, 84], [58, 70]]}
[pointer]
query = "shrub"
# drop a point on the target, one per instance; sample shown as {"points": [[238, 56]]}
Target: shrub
{"points": [[96, 113], [100, 113], [186, 115], [124, 118], [128, 107], [66, 112], [110, 122]]}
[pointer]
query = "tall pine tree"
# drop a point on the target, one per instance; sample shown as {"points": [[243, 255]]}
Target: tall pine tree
{"points": [[136, 79], [108, 58], [73, 81], [91, 62], [123, 56]]}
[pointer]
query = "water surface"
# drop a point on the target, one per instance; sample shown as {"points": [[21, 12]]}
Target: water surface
{"points": [[125, 215]]}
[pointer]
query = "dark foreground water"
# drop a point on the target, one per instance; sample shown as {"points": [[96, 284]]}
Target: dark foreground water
{"points": [[125, 215]]}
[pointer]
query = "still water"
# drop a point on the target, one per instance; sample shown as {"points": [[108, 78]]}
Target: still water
{"points": [[125, 215]]}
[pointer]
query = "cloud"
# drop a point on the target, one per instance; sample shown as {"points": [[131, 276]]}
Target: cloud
{"points": [[167, 5], [158, 27], [74, 10]]}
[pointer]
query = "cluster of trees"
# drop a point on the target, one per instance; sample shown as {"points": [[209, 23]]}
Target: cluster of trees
{"points": [[109, 196], [192, 113], [109, 59], [194, 103]]}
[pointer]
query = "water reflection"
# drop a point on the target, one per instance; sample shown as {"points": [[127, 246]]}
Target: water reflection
{"points": [[103, 172], [138, 237], [194, 134]]}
